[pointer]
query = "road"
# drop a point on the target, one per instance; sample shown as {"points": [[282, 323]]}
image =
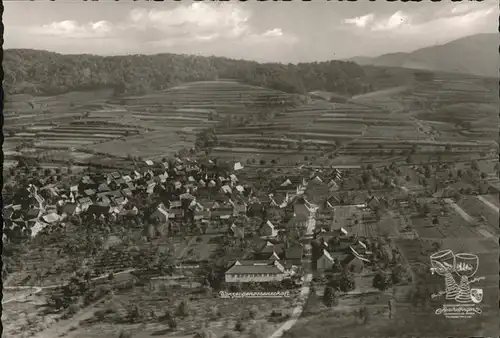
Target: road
{"points": [[306, 287], [488, 203]]}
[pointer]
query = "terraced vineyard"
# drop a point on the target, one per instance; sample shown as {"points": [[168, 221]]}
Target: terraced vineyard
{"points": [[176, 115]]}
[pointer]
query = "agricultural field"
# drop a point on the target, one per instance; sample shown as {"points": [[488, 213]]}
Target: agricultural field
{"points": [[480, 211], [450, 225], [24, 317], [204, 313], [149, 126]]}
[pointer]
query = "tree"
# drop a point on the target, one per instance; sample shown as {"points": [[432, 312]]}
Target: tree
{"points": [[182, 310], [397, 274], [240, 327], [426, 209], [172, 323], [380, 281], [346, 282], [134, 313], [364, 314], [329, 297]]}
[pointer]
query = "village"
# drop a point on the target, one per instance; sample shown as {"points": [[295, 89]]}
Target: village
{"points": [[218, 227]]}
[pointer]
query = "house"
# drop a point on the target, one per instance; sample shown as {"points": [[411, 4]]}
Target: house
{"points": [[89, 192], [87, 180], [337, 174], [237, 231], [129, 212], [120, 183], [316, 179], [176, 214], [269, 229], [32, 214], [51, 218], [71, 209], [174, 204], [325, 262], [354, 264], [226, 189], [294, 253], [115, 175], [186, 196], [85, 203], [257, 273], [222, 213], [160, 215], [360, 247], [127, 192], [332, 201], [333, 186], [269, 248], [98, 210], [239, 208], [37, 227], [136, 175], [201, 214], [237, 166], [103, 187], [120, 201], [103, 199], [301, 211]]}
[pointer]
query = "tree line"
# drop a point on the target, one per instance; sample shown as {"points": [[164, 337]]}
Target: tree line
{"points": [[46, 73]]}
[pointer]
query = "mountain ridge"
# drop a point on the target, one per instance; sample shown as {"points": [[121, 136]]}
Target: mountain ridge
{"points": [[475, 54]]}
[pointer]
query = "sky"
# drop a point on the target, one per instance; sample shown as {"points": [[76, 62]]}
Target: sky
{"points": [[264, 31]]}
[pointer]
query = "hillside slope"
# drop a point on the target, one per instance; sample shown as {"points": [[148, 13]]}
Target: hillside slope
{"points": [[46, 73], [475, 54]]}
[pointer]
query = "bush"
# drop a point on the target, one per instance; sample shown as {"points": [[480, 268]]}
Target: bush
{"points": [[329, 297], [240, 327], [124, 334], [380, 281], [172, 323]]}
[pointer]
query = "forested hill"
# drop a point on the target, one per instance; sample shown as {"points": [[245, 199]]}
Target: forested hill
{"points": [[47, 73]]}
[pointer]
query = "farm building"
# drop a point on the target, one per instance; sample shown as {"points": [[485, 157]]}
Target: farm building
{"points": [[257, 272]]}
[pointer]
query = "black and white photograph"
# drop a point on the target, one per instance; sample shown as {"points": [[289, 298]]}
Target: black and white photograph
{"points": [[250, 169]]}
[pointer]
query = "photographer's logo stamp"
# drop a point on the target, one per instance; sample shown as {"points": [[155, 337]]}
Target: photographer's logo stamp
{"points": [[461, 299]]}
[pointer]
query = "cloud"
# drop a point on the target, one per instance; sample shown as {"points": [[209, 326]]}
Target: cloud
{"points": [[460, 19], [71, 28], [395, 21], [360, 21], [197, 22], [461, 8]]}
